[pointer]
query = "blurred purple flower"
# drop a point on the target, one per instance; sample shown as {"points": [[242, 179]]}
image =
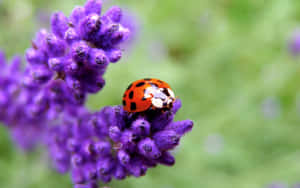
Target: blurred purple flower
{"points": [[130, 21], [277, 185], [26, 126], [294, 43]]}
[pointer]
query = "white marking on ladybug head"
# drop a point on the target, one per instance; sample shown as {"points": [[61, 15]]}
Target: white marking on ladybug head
{"points": [[170, 100], [171, 93], [157, 102], [160, 97], [149, 92]]}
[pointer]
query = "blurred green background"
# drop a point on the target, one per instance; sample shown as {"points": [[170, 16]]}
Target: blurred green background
{"points": [[229, 63]]}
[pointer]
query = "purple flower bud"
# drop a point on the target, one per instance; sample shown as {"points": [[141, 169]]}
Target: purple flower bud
{"points": [[102, 147], [141, 127], [120, 172], [93, 6], [89, 27], [73, 83], [73, 145], [127, 139], [105, 178], [107, 31], [3, 99], [59, 154], [148, 149], [104, 166], [176, 106], [15, 65], [161, 120], [98, 59], [166, 159], [114, 55], [115, 133], [35, 57], [80, 52], [114, 13], [166, 140], [123, 157], [40, 40], [88, 147], [181, 127], [137, 168], [77, 176], [59, 24], [55, 46], [77, 14], [71, 36], [95, 85], [71, 67], [41, 74], [90, 171], [56, 64], [76, 160]]}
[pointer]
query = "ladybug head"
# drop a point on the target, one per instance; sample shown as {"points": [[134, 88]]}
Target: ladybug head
{"points": [[162, 98]]}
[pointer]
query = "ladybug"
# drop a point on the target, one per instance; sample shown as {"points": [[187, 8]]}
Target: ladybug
{"points": [[146, 94]]}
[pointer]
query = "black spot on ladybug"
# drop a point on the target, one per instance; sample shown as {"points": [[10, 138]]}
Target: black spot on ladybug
{"points": [[132, 106], [131, 95], [124, 103], [140, 84], [147, 79], [129, 86], [165, 91], [160, 81]]}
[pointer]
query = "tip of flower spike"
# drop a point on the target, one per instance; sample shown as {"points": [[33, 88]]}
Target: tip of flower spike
{"points": [[93, 6], [181, 127], [114, 13], [59, 24], [176, 106]]}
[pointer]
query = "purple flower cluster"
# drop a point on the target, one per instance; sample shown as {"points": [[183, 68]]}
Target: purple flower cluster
{"points": [[63, 67], [70, 61], [25, 127], [113, 143], [44, 102]]}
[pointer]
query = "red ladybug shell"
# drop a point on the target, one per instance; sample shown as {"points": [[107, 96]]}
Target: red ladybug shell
{"points": [[136, 99]]}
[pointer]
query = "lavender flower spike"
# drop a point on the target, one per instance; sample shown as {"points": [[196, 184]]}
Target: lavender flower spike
{"points": [[77, 50], [113, 143], [25, 128], [64, 66]]}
